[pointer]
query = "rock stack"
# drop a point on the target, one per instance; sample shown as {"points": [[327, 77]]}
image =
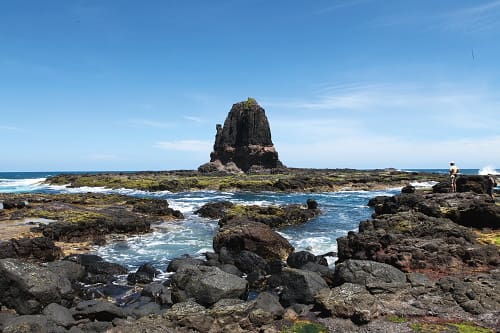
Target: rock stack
{"points": [[244, 143]]}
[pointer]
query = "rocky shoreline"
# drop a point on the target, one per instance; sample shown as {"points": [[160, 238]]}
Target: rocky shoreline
{"points": [[273, 180], [417, 266]]}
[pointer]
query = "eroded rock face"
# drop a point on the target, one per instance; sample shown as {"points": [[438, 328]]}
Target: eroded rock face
{"points": [[244, 141]]}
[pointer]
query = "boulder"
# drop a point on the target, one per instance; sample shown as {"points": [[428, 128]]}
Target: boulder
{"points": [[191, 315], [59, 315], [214, 210], [68, 269], [27, 287], [185, 260], [269, 303], [301, 258], [364, 272], [159, 292], [97, 270], [254, 237], [206, 285], [97, 310], [408, 189], [245, 140], [249, 262], [312, 204], [27, 324], [349, 301], [299, 286], [145, 274]]}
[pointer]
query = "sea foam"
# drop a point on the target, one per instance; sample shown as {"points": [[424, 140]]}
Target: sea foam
{"points": [[488, 170]]}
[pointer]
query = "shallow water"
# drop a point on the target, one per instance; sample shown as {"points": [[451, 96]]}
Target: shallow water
{"points": [[341, 212]]}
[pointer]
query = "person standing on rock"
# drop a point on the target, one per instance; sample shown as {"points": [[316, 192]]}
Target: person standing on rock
{"points": [[454, 170], [492, 182]]}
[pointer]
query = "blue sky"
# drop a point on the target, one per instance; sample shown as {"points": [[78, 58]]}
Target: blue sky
{"points": [[140, 85]]}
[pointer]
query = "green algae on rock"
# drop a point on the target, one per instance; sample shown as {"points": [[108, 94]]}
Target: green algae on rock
{"points": [[279, 180]]}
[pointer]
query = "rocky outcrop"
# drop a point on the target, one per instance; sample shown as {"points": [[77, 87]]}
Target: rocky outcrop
{"points": [[27, 287], [206, 285], [244, 234], [244, 141], [467, 209], [465, 183], [41, 248]]}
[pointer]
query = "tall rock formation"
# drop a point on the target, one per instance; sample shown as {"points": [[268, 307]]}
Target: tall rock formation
{"points": [[244, 142]]}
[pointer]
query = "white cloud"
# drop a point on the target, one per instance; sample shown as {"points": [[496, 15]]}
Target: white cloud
{"points": [[481, 17], [194, 119], [477, 18], [186, 145], [463, 107], [379, 151]]}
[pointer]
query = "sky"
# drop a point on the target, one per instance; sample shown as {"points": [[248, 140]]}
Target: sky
{"points": [[140, 85]]}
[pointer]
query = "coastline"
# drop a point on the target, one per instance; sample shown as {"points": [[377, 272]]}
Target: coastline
{"points": [[282, 180], [415, 238]]}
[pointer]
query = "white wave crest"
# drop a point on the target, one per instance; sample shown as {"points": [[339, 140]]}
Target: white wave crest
{"points": [[21, 185], [105, 190], [488, 170], [427, 184]]}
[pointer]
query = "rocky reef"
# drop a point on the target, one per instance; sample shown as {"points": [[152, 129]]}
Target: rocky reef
{"points": [[280, 180], [420, 264], [81, 219], [244, 142]]}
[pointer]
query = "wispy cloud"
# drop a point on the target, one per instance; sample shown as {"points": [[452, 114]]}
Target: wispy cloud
{"points": [[12, 128], [186, 145], [194, 119], [481, 17], [150, 123], [456, 106], [381, 150], [478, 18]]}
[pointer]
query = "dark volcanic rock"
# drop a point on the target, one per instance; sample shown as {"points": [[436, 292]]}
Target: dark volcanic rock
{"points": [[245, 139], [98, 310], [273, 216], [300, 286], [413, 241], [467, 209], [145, 274], [206, 285], [41, 248], [254, 237], [366, 272], [301, 258], [214, 210], [465, 183], [28, 288]]}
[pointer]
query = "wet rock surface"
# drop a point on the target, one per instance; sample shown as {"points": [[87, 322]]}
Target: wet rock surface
{"points": [[411, 268], [74, 218]]}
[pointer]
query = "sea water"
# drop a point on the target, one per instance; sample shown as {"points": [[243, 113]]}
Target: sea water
{"points": [[341, 212]]}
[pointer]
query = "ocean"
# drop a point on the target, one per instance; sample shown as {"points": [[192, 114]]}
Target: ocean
{"points": [[341, 212]]}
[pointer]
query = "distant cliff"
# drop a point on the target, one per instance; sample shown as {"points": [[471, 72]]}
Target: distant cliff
{"points": [[244, 142]]}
